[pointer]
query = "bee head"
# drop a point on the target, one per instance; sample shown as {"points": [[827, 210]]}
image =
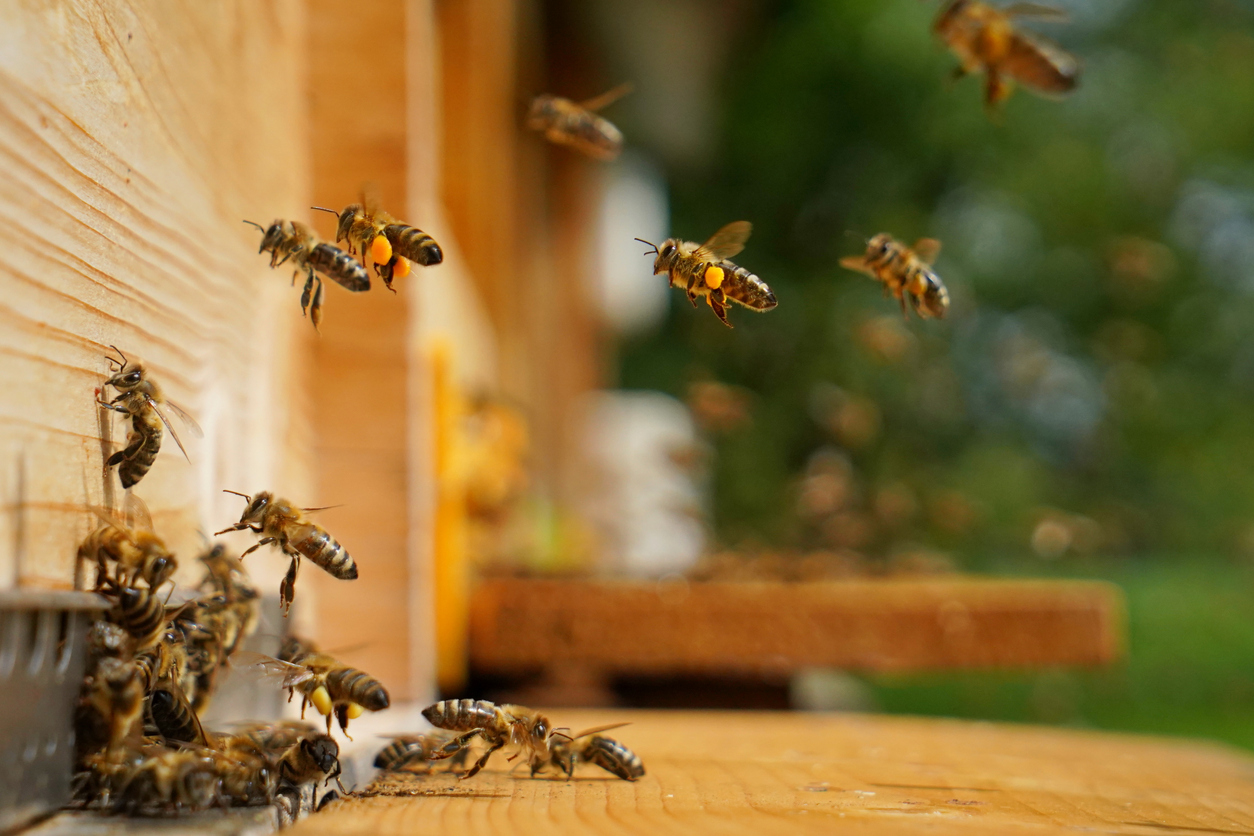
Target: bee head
{"points": [[879, 246], [540, 732], [127, 375], [323, 751], [543, 110]]}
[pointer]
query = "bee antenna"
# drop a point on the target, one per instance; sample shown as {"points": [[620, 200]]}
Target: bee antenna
{"points": [[254, 223], [650, 243], [121, 365], [560, 733], [325, 209], [237, 493]]}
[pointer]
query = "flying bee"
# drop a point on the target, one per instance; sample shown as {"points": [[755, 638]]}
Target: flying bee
{"points": [[591, 747], [332, 687], [281, 523], [498, 725], [985, 38], [415, 752], [391, 244], [703, 270], [131, 545], [140, 397], [905, 273], [293, 240], [577, 125]]}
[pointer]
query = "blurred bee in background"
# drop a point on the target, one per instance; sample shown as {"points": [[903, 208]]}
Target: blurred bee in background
{"points": [[321, 679], [391, 244], [281, 523], [577, 125], [139, 396], [905, 273], [591, 747], [985, 38], [110, 710], [498, 725], [703, 270], [149, 780], [293, 240], [417, 752]]}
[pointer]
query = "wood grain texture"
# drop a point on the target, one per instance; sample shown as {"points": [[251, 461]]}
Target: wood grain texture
{"points": [[768, 773], [751, 628], [134, 137]]}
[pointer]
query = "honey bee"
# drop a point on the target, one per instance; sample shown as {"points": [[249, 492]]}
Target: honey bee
{"points": [[284, 524], [415, 752], [275, 737], [703, 270], [139, 396], [577, 125], [391, 244], [139, 611], [590, 747], [905, 273], [498, 725], [246, 777], [312, 760], [292, 239], [986, 38], [322, 680], [111, 708], [149, 781], [138, 553]]}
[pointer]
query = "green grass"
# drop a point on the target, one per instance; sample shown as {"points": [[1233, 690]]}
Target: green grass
{"points": [[1189, 668]]}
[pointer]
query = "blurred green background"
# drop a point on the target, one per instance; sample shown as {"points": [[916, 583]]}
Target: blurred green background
{"points": [[1087, 408]]}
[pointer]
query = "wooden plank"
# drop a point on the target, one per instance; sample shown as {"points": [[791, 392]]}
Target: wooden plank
{"points": [[134, 138], [722, 628], [768, 773]]}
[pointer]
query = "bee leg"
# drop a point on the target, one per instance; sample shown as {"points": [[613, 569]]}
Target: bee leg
{"points": [[479, 764], [264, 541], [287, 587], [315, 312], [692, 283], [307, 292], [385, 272], [341, 715], [718, 306]]}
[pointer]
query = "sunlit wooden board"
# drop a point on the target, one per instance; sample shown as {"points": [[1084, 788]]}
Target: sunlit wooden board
{"points": [[769, 773]]}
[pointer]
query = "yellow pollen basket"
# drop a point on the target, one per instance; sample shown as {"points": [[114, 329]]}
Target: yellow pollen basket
{"points": [[401, 270], [321, 700], [354, 711], [714, 277], [381, 250]]}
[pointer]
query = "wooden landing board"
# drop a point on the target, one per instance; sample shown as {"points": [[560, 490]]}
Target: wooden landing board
{"points": [[730, 628], [775, 773]]}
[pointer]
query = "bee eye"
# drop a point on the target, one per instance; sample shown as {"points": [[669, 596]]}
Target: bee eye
{"points": [[668, 249], [133, 377]]}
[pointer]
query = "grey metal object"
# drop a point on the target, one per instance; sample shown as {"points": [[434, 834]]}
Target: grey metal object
{"points": [[43, 649]]}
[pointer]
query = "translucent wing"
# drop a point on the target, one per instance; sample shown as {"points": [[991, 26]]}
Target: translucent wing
{"points": [[927, 249], [599, 729], [192, 426], [134, 513], [372, 200], [169, 427], [1041, 64], [267, 667], [607, 98], [854, 262], [725, 243], [1037, 11]]}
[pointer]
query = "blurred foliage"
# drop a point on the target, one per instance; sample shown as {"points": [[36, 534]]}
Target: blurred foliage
{"points": [[1092, 390]]}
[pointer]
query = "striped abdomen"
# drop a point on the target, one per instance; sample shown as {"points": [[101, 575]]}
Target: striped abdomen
{"points": [[413, 244], [461, 715], [142, 445], [614, 757], [339, 267], [140, 612], [173, 717], [584, 130], [351, 685], [745, 288], [315, 543]]}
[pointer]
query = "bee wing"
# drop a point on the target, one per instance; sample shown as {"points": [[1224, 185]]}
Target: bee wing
{"points": [[188, 420], [927, 249], [1041, 64], [599, 729], [725, 243], [169, 427], [855, 262], [608, 97], [1037, 11], [267, 667]]}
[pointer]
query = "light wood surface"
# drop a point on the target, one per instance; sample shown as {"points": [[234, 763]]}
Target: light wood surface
{"points": [[768, 773], [720, 628], [134, 137]]}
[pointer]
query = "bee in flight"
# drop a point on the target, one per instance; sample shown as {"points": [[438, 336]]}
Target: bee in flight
{"points": [[391, 244], [905, 273], [985, 38], [141, 398], [283, 524], [293, 240], [576, 124], [703, 270]]}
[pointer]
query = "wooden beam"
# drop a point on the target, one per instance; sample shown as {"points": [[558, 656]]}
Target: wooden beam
{"points": [[796, 774], [752, 628]]}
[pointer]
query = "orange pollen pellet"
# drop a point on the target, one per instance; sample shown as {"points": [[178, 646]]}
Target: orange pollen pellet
{"points": [[381, 250], [401, 269], [713, 277]]}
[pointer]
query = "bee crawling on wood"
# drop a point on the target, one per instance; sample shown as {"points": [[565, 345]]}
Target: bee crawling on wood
{"points": [[293, 240], [704, 270], [906, 273], [141, 398], [283, 524], [985, 38], [130, 546], [390, 243], [418, 752], [577, 125], [591, 747], [498, 725]]}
